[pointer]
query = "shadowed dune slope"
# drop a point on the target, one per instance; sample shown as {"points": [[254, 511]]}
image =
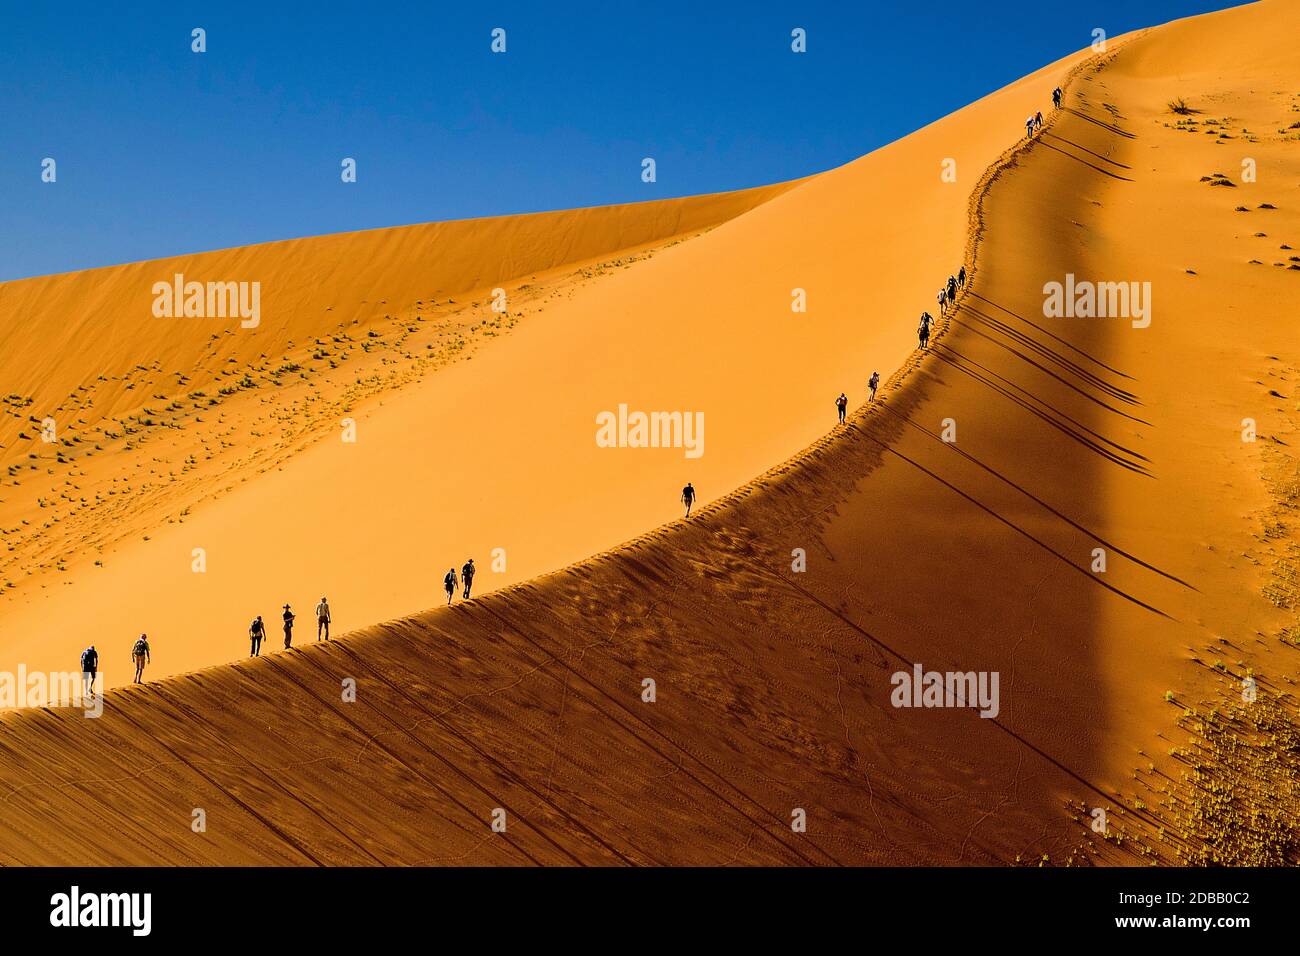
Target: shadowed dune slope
{"points": [[1074, 438]]}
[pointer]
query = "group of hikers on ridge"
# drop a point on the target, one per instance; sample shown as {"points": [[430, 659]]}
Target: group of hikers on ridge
{"points": [[947, 295], [842, 403], [90, 663], [449, 581], [1034, 123], [140, 654], [256, 633], [947, 298], [257, 630]]}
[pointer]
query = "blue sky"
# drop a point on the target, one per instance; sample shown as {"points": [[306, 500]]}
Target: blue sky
{"points": [[162, 151]]}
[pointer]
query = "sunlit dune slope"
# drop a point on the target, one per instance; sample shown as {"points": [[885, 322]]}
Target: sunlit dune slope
{"points": [[60, 329], [497, 455], [154, 416]]}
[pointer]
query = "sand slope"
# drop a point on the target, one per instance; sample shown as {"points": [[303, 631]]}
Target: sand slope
{"points": [[494, 453], [772, 688]]}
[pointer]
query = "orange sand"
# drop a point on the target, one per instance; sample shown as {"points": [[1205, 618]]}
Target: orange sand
{"points": [[772, 687]]}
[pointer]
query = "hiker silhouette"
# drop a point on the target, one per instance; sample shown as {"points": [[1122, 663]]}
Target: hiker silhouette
{"points": [[256, 633], [923, 330], [323, 619], [140, 654]]}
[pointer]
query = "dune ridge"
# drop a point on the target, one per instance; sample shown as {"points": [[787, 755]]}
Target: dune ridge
{"points": [[771, 685], [609, 563], [263, 491]]}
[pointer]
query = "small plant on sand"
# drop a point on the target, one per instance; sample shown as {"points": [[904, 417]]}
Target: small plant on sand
{"points": [[1180, 107]]}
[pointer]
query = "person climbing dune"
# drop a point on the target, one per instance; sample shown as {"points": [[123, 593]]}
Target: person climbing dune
{"points": [[961, 277], [842, 405], [1056, 97], [323, 619], [140, 654], [256, 634], [467, 576], [873, 383], [288, 627], [449, 584], [89, 667], [688, 497]]}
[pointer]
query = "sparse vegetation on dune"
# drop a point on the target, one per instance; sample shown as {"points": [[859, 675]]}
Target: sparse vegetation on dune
{"points": [[1238, 802]]}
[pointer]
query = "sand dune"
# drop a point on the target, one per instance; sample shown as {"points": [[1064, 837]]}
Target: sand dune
{"points": [[494, 453], [1120, 689]]}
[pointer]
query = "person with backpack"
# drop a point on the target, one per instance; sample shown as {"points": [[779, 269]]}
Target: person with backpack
{"points": [[842, 405], [873, 383], [923, 330], [288, 627], [467, 576], [688, 497], [449, 584], [952, 289], [1029, 127], [323, 619], [256, 632], [89, 667], [140, 654], [1056, 97]]}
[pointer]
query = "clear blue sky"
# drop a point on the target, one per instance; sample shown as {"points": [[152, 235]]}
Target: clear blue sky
{"points": [[163, 151]]}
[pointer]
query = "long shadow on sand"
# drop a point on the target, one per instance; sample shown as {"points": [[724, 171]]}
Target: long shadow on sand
{"points": [[1069, 142], [1079, 159], [1108, 127]]}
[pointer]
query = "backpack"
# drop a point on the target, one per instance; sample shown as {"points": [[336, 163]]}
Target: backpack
{"points": [[140, 647], [86, 657]]}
